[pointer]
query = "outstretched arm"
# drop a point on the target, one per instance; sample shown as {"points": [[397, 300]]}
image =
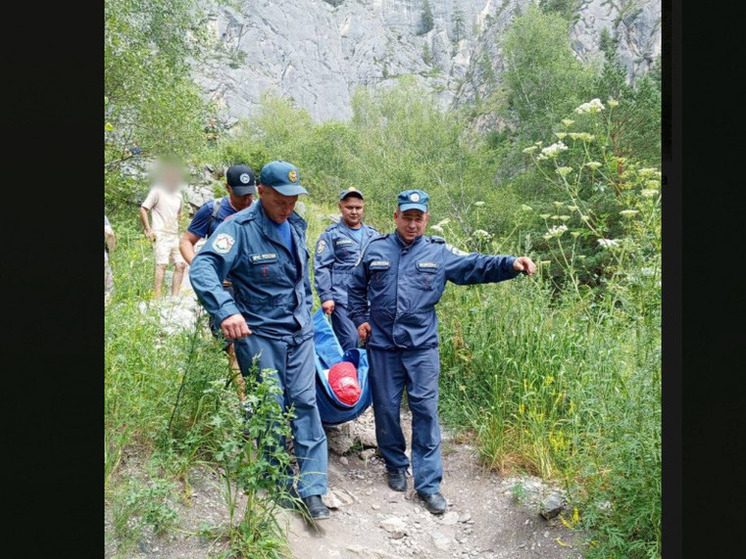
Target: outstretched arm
{"points": [[471, 268]]}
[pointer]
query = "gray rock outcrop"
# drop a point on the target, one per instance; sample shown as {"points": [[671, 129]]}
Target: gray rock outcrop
{"points": [[318, 51]]}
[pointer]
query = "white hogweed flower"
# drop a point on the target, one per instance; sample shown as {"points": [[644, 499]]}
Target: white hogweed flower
{"points": [[608, 243], [436, 228], [593, 165], [564, 171], [629, 213], [554, 150], [649, 172], [479, 204], [591, 107], [567, 122], [557, 231]]}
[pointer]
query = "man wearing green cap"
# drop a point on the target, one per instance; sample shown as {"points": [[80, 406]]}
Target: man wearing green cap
{"points": [[268, 316], [403, 275], [336, 252]]}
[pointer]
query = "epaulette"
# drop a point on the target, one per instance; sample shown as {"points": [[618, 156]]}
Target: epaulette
{"points": [[380, 237], [436, 239], [245, 215]]}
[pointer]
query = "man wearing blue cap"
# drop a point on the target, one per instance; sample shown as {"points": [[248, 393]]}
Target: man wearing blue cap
{"points": [[403, 275], [268, 317], [336, 252]]}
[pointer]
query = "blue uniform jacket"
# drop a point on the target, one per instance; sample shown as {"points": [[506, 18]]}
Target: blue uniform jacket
{"points": [[404, 283], [337, 250], [272, 291]]}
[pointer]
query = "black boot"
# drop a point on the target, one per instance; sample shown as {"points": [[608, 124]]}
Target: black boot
{"points": [[398, 480], [435, 502], [316, 507]]}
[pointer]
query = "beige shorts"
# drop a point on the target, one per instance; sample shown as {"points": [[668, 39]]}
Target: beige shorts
{"points": [[167, 249]]}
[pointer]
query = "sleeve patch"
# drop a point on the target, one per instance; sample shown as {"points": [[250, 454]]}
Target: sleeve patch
{"points": [[321, 247], [223, 243]]}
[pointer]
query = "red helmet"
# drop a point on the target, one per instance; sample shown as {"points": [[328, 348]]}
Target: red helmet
{"points": [[343, 381]]}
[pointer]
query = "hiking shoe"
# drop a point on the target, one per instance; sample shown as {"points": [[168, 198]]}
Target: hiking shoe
{"points": [[316, 508], [435, 502], [398, 480]]}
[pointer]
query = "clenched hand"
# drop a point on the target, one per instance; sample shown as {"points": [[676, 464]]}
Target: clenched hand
{"points": [[328, 306], [524, 264], [235, 327], [364, 332]]}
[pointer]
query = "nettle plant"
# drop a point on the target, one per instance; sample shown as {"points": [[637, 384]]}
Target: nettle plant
{"points": [[606, 230]]}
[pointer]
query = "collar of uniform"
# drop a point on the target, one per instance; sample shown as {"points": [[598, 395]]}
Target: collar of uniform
{"points": [[348, 230], [403, 243]]}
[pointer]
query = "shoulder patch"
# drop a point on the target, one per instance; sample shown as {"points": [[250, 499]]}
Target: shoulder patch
{"points": [[223, 243], [321, 246]]}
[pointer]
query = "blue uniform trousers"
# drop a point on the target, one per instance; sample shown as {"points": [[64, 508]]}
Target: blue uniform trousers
{"points": [[296, 373], [417, 370], [344, 328]]}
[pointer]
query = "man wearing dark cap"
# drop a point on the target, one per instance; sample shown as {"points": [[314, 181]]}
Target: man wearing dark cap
{"points": [[241, 187], [268, 316], [336, 252], [403, 275]]}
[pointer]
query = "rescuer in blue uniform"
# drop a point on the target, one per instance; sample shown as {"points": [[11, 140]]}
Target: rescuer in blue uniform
{"points": [[403, 275], [263, 249], [337, 250]]}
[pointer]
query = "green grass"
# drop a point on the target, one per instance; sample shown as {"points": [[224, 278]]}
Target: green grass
{"points": [[566, 388]]}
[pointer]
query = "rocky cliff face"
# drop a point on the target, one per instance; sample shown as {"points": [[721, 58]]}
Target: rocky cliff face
{"points": [[319, 51]]}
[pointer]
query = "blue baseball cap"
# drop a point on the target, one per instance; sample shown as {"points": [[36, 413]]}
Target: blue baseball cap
{"points": [[283, 177], [352, 191], [413, 200], [241, 179]]}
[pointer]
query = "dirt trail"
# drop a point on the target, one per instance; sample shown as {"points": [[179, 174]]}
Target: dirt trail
{"points": [[369, 521]]}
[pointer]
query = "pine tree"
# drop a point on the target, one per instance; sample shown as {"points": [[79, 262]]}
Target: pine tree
{"points": [[428, 21], [458, 24]]}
